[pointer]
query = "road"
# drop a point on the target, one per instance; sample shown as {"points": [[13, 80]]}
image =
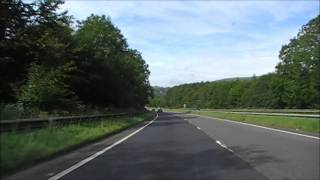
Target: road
{"points": [[180, 146], [169, 148], [278, 155]]}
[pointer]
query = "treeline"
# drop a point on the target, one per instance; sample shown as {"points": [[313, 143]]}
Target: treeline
{"points": [[49, 62], [295, 84]]}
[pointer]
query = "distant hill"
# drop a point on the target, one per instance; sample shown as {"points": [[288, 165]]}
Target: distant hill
{"points": [[159, 91], [234, 79]]}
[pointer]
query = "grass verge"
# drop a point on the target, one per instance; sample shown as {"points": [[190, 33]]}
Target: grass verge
{"points": [[19, 149], [283, 122], [285, 111]]}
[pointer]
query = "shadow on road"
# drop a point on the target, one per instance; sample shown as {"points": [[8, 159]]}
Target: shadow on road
{"points": [[161, 161], [255, 155]]}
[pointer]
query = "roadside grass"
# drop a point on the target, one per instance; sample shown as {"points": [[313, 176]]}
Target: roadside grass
{"points": [[283, 122], [20, 149], [178, 110], [285, 111]]}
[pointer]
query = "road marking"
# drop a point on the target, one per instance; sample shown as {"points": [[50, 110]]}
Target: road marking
{"points": [[79, 164], [253, 125], [224, 146], [218, 142]]}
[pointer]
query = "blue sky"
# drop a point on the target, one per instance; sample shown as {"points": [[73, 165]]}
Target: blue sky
{"points": [[192, 41]]}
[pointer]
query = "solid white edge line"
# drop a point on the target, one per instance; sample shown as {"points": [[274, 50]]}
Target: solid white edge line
{"points": [[79, 164], [263, 127]]}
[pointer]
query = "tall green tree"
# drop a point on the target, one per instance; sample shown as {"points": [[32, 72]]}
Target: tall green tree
{"points": [[30, 32], [110, 74], [299, 67]]}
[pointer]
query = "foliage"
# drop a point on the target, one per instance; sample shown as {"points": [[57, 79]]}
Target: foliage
{"points": [[39, 46], [29, 33], [220, 94], [46, 89], [157, 98], [10, 111], [300, 67], [118, 75]]}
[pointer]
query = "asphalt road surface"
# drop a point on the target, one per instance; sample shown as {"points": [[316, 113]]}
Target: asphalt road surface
{"points": [[277, 155], [169, 148]]}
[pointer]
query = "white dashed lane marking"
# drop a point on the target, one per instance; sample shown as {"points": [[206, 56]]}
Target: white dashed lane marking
{"points": [[224, 146]]}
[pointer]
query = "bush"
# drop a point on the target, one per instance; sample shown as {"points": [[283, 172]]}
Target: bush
{"points": [[46, 89], [9, 111]]}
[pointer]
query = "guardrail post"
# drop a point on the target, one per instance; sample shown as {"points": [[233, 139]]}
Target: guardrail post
{"points": [[50, 122]]}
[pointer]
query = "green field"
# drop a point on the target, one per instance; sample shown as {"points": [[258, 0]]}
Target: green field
{"points": [[23, 148], [283, 122]]}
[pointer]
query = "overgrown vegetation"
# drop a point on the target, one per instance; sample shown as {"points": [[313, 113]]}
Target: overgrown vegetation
{"points": [[23, 148], [48, 62], [295, 84]]}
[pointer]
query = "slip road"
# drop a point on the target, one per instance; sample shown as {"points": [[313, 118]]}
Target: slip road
{"points": [[169, 148]]}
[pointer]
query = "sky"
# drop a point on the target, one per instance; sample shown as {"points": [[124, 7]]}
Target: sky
{"points": [[193, 41]]}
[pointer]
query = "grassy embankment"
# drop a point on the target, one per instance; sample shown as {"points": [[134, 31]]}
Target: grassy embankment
{"points": [[282, 122], [24, 148]]}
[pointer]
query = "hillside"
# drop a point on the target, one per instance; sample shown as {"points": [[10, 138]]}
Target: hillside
{"points": [[160, 91], [234, 79]]}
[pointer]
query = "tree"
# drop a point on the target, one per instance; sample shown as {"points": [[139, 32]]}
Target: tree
{"points": [[300, 67], [118, 75], [30, 32], [105, 71]]}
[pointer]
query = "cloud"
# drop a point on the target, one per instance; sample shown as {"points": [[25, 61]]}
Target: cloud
{"points": [[189, 41]]}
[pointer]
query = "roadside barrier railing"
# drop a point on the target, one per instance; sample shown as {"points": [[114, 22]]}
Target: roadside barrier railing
{"points": [[28, 124]]}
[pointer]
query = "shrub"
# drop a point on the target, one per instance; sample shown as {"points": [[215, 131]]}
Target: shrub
{"points": [[46, 89]]}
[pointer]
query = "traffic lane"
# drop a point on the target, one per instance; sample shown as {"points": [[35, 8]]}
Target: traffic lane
{"points": [[277, 155], [169, 148], [52, 167]]}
